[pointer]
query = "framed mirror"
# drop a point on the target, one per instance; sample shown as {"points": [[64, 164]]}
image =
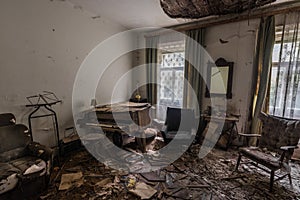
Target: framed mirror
{"points": [[219, 78]]}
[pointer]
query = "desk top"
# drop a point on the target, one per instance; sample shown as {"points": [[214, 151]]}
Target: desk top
{"points": [[219, 118], [122, 107]]}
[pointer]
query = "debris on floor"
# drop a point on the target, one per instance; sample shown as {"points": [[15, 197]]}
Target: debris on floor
{"points": [[143, 190], [189, 177], [70, 180]]}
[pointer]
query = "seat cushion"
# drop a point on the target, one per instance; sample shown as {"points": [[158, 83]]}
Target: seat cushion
{"points": [[265, 159], [13, 154], [30, 165], [8, 177]]}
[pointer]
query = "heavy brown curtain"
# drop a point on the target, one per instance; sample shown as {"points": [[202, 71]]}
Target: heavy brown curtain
{"points": [[151, 61], [193, 53]]}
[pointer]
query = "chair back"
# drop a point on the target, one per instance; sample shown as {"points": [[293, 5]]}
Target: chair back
{"points": [[180, 118], [14, 140], [278, 132], [7, 119]]}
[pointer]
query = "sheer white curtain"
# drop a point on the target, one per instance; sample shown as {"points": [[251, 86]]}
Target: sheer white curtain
{"points": [[285, 89], [170, 72]]}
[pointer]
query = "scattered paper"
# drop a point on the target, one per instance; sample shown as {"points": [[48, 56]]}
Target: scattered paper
{"points": [[143, 190], [70, 180]]}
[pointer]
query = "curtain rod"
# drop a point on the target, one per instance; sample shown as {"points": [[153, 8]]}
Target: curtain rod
{"points": [[280, 8]]}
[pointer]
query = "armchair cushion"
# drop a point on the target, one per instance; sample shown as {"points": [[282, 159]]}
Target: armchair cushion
{"points": [[8, 177], [29, 165], [265, 159]]}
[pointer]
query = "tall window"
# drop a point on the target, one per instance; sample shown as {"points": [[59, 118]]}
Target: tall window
{"points": [[170, 76], [285, 75]]}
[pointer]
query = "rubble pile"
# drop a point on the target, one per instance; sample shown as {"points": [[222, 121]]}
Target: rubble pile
{"points": [[213, 177]]}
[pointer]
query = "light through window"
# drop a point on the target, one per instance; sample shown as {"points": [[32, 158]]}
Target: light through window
{"points": [[170, 76], [284, 98]]}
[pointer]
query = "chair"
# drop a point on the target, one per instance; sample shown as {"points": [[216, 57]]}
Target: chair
{"points": [[180, 123], [7, 119], [24, 165], [276, 144]]}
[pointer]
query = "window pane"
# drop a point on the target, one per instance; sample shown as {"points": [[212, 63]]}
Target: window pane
{"points": [[172, 60], [284, 98], [171, 78], [166, 84]]}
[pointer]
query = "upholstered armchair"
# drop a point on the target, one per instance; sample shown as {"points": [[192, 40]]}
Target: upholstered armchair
{"points": [[276, 144], [24, 165]]}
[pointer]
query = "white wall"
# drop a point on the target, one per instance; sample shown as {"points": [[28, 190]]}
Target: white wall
{"points": [[240, 48], [42, 44]]}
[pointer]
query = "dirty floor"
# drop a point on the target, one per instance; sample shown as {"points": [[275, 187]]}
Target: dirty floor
{"points": [[187, 178]]}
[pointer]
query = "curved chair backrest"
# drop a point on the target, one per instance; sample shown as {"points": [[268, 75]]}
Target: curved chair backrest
{"points": [[14, 137], [278, 132], [7, 119]]}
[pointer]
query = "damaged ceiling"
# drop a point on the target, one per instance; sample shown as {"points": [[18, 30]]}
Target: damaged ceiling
{"points": [[129, 13], [194, 9], [152, 13]]}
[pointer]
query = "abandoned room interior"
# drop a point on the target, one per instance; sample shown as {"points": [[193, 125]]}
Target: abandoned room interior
{"points": [[150, 99]]}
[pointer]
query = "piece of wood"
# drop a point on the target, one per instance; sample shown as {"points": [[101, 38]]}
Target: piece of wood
{"points": [[249, 135], [233, 177], [152, 176], [197, 186]]}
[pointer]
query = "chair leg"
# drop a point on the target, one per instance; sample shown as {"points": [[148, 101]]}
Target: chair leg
{"points": [[290, 178], [238, 162], [271, 180]]}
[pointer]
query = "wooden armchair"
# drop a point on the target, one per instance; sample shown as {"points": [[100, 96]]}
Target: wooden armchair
{"points": [[276, 145]]}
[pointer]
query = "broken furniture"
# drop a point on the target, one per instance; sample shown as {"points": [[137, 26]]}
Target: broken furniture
{"points": [[24, 165], [118, 119], [70, 142], [44, 100], [277, 142], [180, 123], [230, 123]]}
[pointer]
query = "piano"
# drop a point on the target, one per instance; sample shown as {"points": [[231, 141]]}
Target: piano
{"points": [[119, 119]]}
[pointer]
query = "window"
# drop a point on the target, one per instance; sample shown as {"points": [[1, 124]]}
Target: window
{"points": [[171, 79], [170, 76], [284, 98]]}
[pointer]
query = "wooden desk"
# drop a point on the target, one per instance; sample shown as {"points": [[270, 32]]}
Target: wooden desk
{"points": [[230, 120]]}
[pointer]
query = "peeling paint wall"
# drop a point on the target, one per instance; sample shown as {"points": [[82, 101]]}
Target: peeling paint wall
{"points": [[42, 44], [238, 46]]}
